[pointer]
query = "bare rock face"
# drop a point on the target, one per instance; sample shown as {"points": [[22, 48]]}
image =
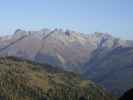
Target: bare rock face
{"points": [[66, 48]]}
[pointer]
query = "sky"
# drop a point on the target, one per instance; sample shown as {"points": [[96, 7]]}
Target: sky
{"points": [[87, 16]]}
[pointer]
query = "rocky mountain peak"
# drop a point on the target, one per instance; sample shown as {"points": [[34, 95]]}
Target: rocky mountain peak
{"points": [[20, 33], [99, 39], [102, 35], [44, 32]]}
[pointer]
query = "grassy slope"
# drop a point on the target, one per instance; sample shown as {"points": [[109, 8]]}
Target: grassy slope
{"points": [[25, 80]]}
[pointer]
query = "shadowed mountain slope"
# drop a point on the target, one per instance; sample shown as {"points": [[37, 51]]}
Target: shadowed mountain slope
{"points": [[112, 69]]}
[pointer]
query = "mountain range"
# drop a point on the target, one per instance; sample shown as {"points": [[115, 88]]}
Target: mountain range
{"points": [[100, 57]]}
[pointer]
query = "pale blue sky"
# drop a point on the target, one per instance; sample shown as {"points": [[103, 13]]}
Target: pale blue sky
{"points": [[88, 16]]}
